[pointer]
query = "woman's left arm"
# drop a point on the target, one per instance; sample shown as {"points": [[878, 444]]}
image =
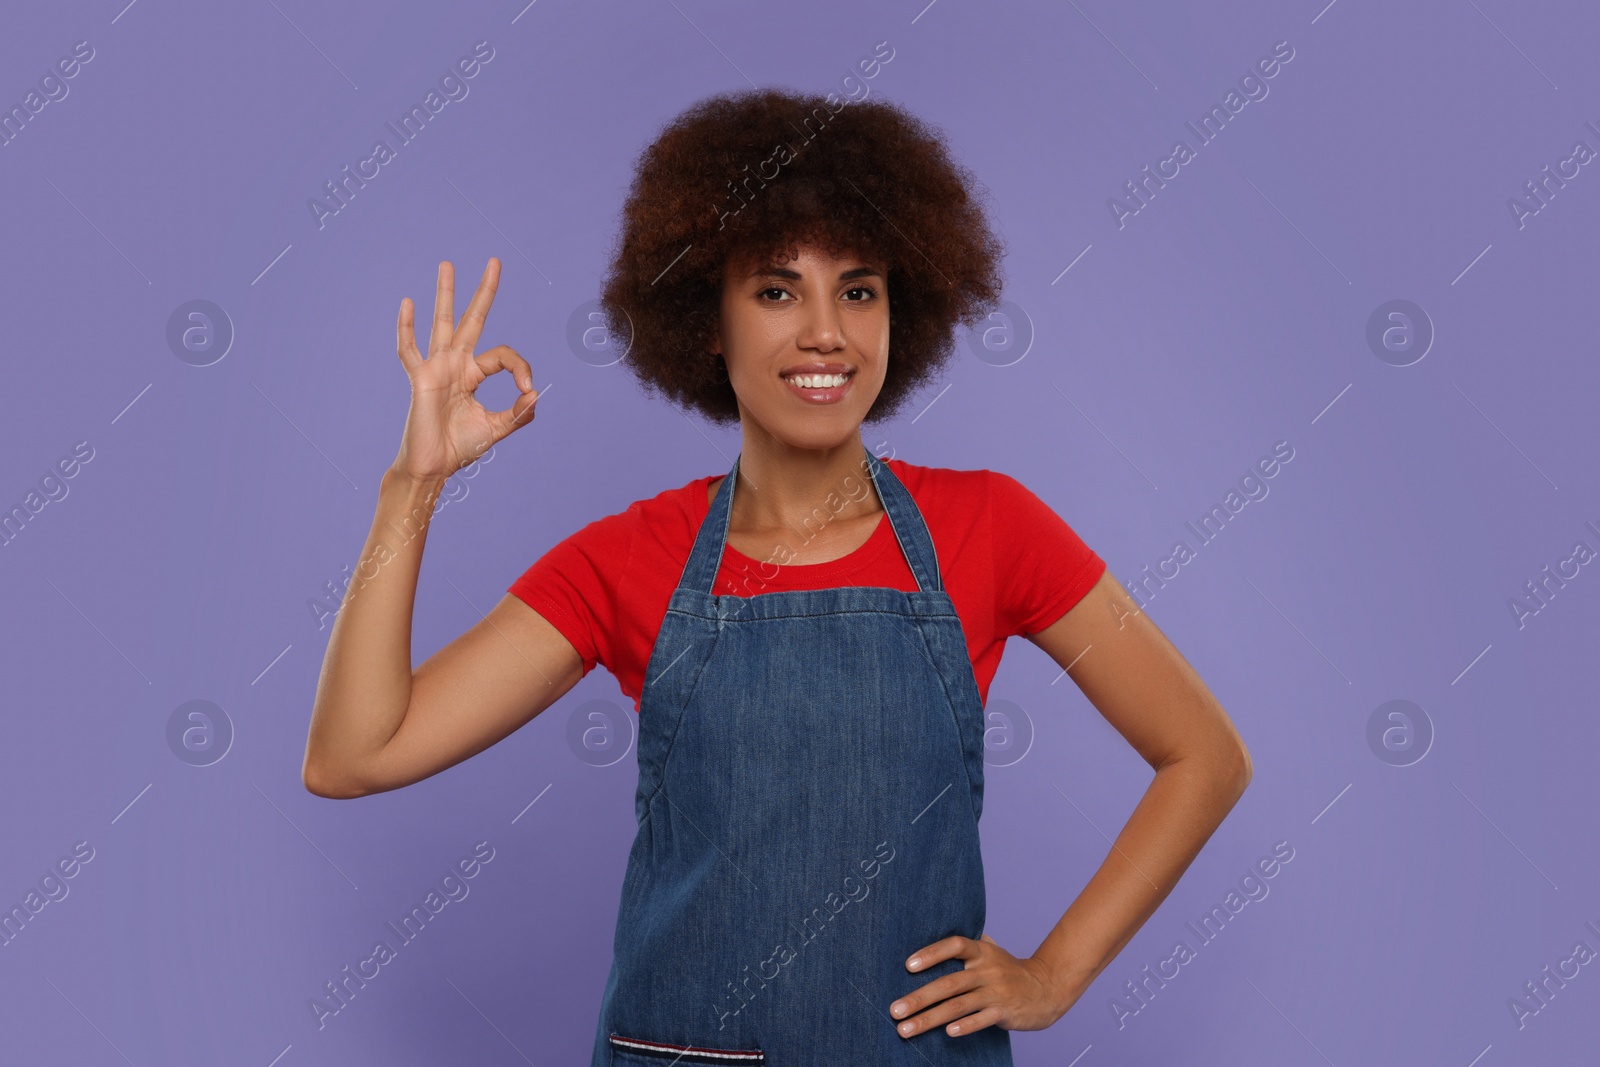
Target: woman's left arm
{"points": [[1145, 688]]}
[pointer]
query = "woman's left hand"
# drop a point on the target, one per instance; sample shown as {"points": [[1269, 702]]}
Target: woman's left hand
{"points": [[995, 988]]}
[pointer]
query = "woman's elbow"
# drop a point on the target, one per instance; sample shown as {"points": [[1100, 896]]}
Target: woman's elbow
{"points": [[1242, 769], [319, 782]]}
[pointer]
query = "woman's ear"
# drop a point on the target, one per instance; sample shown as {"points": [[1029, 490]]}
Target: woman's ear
{"points": [[714, 350]]}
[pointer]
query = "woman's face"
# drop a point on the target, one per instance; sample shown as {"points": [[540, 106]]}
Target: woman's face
{"points": [[788, 330]]}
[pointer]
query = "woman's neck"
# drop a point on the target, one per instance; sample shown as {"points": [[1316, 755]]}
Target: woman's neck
{"points": [[785, 487]]}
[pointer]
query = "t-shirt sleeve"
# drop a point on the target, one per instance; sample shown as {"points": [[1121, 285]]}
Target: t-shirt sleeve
{"points": [[1042, 568], [574, 585]]}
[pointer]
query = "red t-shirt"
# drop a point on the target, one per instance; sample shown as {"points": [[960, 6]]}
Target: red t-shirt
{"points": [[1011, 565]]}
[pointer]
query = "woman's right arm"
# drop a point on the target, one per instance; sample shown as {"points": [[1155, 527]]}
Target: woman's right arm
{"points": [[376, 724]]}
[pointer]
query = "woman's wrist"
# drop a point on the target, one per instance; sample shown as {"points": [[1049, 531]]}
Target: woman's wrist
{"points": [[400, 482], [1067, 981]]}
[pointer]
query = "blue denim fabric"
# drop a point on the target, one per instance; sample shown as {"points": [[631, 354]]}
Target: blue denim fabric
{"points": [[810, 782]]}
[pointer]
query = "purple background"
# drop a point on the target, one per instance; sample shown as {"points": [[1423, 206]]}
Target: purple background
{"points": [[1230, 313]]}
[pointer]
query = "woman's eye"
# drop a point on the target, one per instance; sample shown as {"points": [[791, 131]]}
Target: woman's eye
{"points": [[867, 289]]}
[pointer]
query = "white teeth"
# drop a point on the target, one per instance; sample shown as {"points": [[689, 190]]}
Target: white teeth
{"points": [[817, 381]]}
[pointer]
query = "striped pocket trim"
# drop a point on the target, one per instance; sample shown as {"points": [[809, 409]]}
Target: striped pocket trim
{"points": [[687, 1053]]}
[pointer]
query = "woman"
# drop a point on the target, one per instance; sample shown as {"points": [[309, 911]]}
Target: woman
{"points": [[809, 638]]}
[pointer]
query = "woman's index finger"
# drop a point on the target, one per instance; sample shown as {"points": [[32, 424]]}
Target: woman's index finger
{"points": [[477, 312]]}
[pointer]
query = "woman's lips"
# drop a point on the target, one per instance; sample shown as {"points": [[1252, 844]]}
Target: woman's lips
{"points": [[814, 395]]}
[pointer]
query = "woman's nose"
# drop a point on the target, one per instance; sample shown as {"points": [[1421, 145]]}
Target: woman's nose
{"points": [[821, 328]]}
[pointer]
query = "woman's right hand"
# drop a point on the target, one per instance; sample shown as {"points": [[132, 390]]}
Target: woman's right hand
{"points": [[446, 427]]}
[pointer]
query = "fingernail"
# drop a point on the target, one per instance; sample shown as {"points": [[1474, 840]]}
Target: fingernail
{"points": [[914, 961], [905, 1028], [897, 1010]]}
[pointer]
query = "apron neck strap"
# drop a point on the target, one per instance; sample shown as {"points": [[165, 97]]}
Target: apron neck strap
{"points": [[905, 519]]}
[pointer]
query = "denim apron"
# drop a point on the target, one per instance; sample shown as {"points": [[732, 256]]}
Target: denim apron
{"points": [[810, 782]]}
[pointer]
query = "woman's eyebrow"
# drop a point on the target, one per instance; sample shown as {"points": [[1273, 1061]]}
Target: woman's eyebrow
{"points": [[794, 275]]}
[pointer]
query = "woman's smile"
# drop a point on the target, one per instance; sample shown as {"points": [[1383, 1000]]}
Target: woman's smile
{"points": [[820, 388]]}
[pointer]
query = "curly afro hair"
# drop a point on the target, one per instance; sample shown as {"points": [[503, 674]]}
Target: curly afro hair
{"points": [[759, 172]]}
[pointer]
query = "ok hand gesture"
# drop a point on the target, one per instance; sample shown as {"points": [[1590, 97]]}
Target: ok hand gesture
{"points": [[446, 427]]}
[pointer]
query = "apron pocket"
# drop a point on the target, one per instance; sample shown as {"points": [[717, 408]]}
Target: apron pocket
{"points": [[638, 1052]]}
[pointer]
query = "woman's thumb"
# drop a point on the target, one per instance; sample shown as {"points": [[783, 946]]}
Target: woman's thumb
{"points": [[520, 413]]}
